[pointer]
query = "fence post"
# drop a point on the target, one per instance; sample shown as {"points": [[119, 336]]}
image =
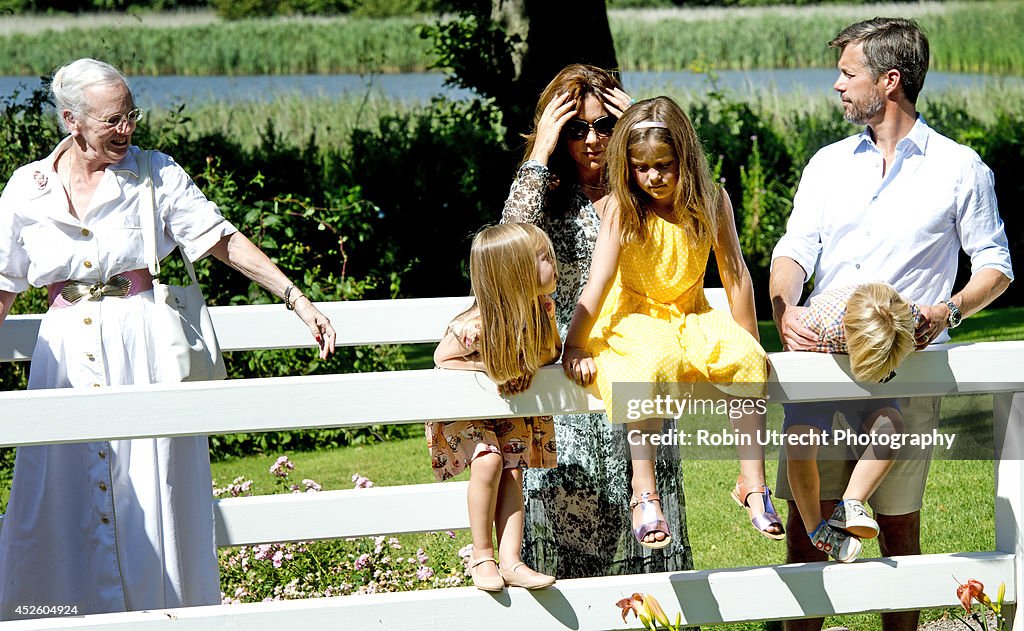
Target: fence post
{"points": [[1008, 418]]}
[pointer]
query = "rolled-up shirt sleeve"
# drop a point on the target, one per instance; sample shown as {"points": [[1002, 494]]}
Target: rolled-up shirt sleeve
{"points": [[189, 218], [14, 259], [802, 241], [978, 223]]}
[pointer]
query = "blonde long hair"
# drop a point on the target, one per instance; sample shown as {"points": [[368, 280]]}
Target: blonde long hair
{"points": [[879, 326], [696, 196], [515, 328]]}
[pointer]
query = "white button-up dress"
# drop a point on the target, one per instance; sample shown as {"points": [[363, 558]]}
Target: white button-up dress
{"points": [[114, 525]]}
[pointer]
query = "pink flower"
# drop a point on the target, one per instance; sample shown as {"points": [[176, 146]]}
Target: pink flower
{"points": [[361, 482], [278, 558], [425, 573], [282, 467], [362, 561], [312, 486]]}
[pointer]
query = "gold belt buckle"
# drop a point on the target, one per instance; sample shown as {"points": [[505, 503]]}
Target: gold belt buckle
{"points": [[74, 290]]}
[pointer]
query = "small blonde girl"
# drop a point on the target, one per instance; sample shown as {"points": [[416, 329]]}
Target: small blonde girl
{"points": [[664, 217], [875, 325], [508, 333]]}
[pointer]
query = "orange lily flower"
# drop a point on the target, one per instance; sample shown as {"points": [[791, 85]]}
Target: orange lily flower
{"points": [[971, 590], [633, 604]]}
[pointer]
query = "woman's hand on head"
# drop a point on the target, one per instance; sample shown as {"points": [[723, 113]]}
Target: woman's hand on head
{"points": [[549, 128], [319, 326], [616, 101], [579, 366]]}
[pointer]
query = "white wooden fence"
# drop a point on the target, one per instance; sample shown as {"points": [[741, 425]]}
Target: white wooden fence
{"points": [[705, 597]]}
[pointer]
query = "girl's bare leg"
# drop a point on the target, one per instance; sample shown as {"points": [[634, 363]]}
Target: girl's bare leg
{"points": [[642, 455], [484, 480], [508, 521], [751, 456]]}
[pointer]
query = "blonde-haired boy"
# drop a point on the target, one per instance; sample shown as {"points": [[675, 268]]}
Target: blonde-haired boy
{"points": [[875, 325]]}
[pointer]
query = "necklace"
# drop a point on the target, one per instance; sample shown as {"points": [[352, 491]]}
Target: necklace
{"points": [[591, 187]]}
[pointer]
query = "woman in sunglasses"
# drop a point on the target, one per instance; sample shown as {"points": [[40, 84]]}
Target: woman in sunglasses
{"points": [[574, 519], [121, 524]]}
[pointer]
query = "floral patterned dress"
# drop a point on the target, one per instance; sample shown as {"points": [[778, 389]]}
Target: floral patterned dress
{"points": [[521, 442], [577, 520]]}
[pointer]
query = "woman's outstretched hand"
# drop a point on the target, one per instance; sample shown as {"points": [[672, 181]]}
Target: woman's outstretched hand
{"points": [[319, 326], [549, 128], [616, 101], [579, 366]]}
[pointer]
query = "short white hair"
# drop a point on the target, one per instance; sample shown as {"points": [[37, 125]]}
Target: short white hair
{"points": [[71, 80]]}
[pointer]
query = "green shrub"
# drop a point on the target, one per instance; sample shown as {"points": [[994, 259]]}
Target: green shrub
{"points": [[437, 176]]}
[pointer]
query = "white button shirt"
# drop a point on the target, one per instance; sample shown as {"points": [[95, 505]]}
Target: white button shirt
{"points": [[42, 243], [851, 224]]}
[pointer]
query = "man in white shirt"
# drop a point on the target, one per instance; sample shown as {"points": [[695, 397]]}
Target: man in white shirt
{"points": [[895, 204]]}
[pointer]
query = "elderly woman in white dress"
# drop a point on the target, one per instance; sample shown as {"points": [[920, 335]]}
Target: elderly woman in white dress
{"points": [[123, 524]]}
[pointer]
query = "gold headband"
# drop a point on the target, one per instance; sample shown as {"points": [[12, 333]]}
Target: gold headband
{"points": [[649, 125]]}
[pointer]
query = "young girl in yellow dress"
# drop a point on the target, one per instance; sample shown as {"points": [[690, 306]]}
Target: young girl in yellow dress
{"points": [[509, 333], [643, 319]]}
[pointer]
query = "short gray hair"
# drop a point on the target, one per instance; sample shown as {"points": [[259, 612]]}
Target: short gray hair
{"points": [[891, 44], [71, 80]]}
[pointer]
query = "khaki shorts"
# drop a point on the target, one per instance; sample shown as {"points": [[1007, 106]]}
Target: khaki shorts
{"points": [[902, 490]]}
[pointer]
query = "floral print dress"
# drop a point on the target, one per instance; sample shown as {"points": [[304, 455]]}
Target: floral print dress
{"points": [[577, 520], [521, 442]]}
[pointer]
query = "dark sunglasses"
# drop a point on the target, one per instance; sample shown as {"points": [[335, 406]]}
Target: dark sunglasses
{"points": [[889, 378], [577, 129]]}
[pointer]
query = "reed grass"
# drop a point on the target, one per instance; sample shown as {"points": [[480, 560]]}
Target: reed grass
{"points": [[979, 36]]}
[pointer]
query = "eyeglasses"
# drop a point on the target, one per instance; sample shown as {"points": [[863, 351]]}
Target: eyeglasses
{"points": [[891, 376], [118, 121], [578, 129]]}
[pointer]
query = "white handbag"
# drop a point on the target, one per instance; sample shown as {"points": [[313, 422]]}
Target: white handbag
{"points": [[181, 337]]}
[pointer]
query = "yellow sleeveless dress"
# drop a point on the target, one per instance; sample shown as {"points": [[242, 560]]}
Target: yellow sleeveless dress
{"points": [[656, 326]]}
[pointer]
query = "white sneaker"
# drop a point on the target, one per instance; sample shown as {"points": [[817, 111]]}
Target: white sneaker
{"points": [[851, 516], [841, 546]]}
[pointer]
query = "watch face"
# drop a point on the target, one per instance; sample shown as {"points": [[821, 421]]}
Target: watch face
{"points": [[954, 315]]}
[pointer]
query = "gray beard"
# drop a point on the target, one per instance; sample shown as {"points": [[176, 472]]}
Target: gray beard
{"points": [[861, 114]]}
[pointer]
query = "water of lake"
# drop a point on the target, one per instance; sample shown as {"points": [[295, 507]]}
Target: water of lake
{"points": [[164, 91]]}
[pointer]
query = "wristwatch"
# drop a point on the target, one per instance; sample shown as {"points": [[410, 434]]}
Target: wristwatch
{"points": [[955, 317]]}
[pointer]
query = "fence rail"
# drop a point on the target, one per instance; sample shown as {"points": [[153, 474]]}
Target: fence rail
{"points": [[706, 597]]}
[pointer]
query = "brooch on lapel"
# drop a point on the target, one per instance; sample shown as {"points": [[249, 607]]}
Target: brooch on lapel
{"points": [[40, 179]]}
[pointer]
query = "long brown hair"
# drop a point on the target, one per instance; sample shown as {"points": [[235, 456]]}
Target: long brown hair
{"points": [[696, 196], [578, 80], [515, 328]]}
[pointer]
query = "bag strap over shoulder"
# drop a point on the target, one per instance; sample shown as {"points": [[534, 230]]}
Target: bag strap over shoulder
{"points": [[147, 211]]}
